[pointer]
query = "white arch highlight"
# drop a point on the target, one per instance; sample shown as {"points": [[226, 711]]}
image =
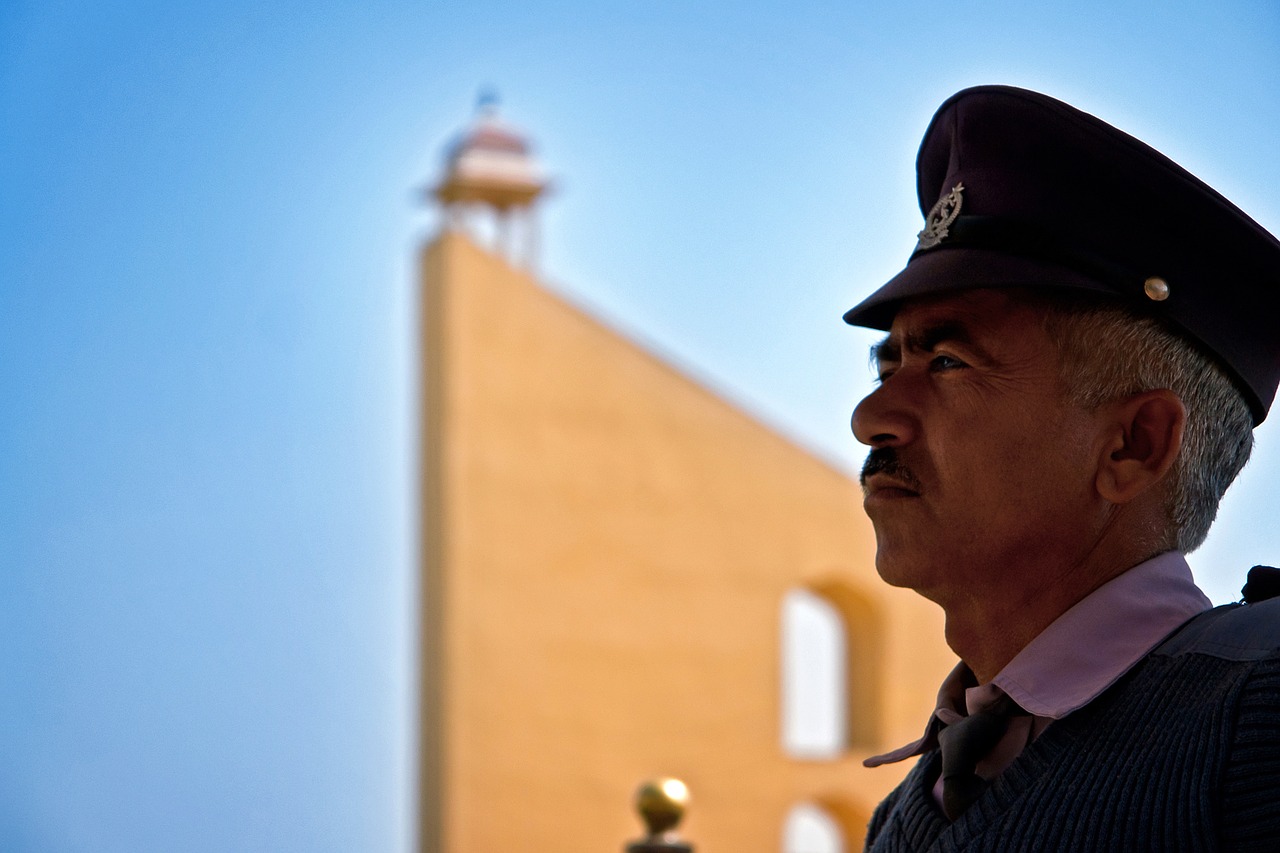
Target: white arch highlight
{"points": [[814, 675], [809, 829]]}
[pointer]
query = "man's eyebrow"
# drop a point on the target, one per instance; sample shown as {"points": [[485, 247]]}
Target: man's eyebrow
{"points": [[886, 350], [921, 340], [926, 339]]}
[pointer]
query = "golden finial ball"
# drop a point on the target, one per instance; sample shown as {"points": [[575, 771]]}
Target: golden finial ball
{"points": [[662, 802]]}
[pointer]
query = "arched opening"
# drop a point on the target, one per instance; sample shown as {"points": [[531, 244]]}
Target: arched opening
{"points": [[815, 691], [832, 657], [810, 829], [864, 658]]}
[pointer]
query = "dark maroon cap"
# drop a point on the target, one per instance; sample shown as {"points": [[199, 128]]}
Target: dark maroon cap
{"points": [[1021, 190]]}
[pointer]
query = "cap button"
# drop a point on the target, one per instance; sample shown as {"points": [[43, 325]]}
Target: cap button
{"points": [[1156, 288]]}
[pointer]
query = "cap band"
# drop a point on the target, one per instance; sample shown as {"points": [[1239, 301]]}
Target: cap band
{"points": [[1030, 240]]}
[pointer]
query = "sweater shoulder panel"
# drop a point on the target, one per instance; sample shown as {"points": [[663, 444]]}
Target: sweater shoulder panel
{"points": [[1234, 632]]}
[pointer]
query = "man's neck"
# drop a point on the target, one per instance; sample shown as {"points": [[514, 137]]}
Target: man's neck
{"points": [[987, 629]]}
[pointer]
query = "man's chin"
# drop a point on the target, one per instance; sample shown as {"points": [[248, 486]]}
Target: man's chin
{"points": [[887, 568], [898, 570], [901, 581]]}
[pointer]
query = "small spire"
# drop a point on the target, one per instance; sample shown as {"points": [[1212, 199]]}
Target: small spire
{"points": [[487, 101]]}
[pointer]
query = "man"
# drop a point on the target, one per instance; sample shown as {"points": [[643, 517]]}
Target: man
{"points": [[1078, 350]]}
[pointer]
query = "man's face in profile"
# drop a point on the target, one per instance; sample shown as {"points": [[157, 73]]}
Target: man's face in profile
{"points": [[980, 466]]}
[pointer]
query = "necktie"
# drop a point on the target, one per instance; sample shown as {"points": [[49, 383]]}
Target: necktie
{"points": [[966, 742]]}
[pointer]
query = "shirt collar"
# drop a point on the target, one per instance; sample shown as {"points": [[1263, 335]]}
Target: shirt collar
{"points": [[1082, 653], [1085, 650]]}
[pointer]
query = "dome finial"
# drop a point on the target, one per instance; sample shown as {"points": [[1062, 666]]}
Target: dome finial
{"points": [[487, 100]]}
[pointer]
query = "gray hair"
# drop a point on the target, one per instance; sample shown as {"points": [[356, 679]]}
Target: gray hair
{"points": [[1109, 352]]}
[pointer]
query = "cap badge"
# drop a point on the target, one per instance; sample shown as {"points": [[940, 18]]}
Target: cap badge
{"points": [[940, 218]]}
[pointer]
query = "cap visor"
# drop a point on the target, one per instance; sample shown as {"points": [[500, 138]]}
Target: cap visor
{"points": [[946, 270]]}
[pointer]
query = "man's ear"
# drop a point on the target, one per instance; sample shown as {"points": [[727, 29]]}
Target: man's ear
{"points": [[1144, 442]]}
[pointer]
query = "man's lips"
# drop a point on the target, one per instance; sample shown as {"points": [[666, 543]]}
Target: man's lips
{"points": [[883, 487]]}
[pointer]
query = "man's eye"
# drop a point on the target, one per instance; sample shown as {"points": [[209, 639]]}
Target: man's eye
{"points": [[883, 374], [945, 362]]}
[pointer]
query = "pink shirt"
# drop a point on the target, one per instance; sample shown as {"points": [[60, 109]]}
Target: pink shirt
{"points": [[1082, 653]]}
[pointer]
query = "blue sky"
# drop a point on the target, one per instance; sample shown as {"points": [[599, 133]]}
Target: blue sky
{"points": [[208, 217]]}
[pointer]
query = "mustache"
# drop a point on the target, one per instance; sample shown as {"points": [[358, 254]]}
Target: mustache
{"points": [[884, 460]]}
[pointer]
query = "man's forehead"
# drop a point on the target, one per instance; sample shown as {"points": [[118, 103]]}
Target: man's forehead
{"points": [[987, 320], [966, 310]]}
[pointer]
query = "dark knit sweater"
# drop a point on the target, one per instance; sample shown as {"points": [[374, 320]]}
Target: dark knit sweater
{"points": [[1183, 753]]}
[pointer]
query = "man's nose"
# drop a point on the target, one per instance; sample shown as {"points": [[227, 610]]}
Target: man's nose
{"points": [[881, 420]]}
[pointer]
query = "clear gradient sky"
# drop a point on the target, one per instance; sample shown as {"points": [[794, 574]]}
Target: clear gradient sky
{"points": [[208, 217]]}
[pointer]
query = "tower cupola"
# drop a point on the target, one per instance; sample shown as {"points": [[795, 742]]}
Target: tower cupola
{"points": [[491, 173]]}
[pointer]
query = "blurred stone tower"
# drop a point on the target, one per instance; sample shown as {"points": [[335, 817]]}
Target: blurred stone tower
{"points": [[611, 554]]}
